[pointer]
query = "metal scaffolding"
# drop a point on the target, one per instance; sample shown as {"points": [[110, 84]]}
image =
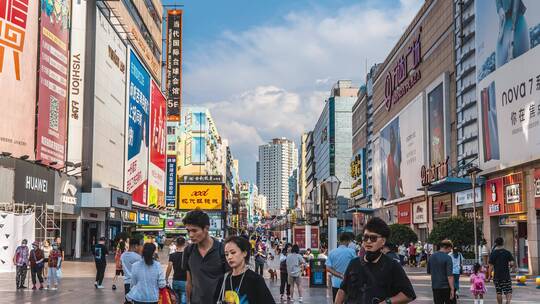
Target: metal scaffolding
{"points": [[45, 227]]}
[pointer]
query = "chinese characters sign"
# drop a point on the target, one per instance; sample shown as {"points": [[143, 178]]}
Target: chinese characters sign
{"points": [[137, 131], [358, 175], [170, 192], [53, 82], [201, 196], [174, 64]]}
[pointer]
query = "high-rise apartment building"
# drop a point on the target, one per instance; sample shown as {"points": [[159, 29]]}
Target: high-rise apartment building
{"points": [[277, 160]]}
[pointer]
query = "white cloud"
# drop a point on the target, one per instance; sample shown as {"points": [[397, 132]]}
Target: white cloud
{"points": [[271, 81]]}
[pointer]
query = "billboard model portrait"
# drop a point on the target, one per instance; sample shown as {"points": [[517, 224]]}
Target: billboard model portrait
{"points": [[18, 61], [158, 119], [53, 82], [508, 74], [137, 131], [401, 153]]}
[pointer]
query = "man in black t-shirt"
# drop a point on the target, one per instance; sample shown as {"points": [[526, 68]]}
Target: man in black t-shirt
{"points": [[180, 274], [375, 277], [100, 257], [500, 261]]}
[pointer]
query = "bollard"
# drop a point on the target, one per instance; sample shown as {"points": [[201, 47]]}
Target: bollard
{"points": [[521, 280], [538, 282]]}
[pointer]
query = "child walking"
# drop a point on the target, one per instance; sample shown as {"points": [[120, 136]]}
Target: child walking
{"points": [[478, 285]]}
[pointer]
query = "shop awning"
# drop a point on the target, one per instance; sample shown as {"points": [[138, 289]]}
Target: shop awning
{"points": [[452, 184], [360, 210]]}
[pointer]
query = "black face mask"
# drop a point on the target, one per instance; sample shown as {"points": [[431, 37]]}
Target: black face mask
{"points": [[371, 256]]}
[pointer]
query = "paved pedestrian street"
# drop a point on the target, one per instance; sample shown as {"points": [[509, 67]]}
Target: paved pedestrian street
{"points": [[77, 287]]}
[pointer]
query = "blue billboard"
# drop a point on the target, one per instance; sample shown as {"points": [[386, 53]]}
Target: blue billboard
{"points": [[137, 137], [170, 191]]}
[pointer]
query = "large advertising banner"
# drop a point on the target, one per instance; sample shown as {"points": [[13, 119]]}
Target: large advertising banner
{"points": [[76, 81], [137, 131], [401, 153], [18, 62], [53, 82], [174, 64], [508, 60], [156, 175]]}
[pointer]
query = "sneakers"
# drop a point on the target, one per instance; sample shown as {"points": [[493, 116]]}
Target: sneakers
{"points": [[34, 287], [54, 288], [95, 284], [300, 299], [41, 287], [100, 287]]}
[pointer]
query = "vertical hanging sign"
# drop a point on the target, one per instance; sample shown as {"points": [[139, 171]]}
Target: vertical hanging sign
{"points": [[174, 64]]}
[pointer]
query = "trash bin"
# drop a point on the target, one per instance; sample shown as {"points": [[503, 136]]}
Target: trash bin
{"points": [[317, 277]]}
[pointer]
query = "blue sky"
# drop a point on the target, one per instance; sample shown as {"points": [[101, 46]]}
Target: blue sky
{"points": [[265, 67]]}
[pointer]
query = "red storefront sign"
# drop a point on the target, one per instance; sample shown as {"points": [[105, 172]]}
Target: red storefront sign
{"points": [[494, 197], [300, 236], [537, 188], [314, 237], [404, 213], [513, 189]]}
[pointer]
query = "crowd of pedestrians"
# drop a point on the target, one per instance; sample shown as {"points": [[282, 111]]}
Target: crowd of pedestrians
{"points": [[207, 270], [44, 261]]}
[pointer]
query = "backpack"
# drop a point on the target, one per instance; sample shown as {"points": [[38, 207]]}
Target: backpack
{"points": [[189, 250], [478, 282]]}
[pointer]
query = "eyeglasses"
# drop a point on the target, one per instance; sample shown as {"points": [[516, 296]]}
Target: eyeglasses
{"points": [[371, 237]]}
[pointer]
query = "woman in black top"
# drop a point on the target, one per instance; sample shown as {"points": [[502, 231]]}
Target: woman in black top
{"points": [[241, 285]]}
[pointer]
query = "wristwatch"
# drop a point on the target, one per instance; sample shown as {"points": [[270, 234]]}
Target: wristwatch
{"points": [[388, 301]]}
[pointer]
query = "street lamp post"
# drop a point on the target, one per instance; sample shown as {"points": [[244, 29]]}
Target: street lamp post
{"points": [[472, 172], [331, 186]]}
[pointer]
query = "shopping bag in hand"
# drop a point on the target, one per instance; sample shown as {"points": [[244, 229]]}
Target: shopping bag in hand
{"points": [[166, 296]]}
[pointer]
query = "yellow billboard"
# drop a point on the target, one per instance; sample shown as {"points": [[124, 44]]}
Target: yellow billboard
{"points": [[201, 196]]}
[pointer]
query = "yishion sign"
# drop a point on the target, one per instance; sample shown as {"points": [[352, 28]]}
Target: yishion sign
{"points": [[399, 80]]}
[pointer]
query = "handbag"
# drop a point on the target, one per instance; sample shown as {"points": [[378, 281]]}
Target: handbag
{"points": [[222, 291], [59, 273]]}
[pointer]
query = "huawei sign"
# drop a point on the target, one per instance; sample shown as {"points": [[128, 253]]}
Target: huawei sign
{"points": [[13, 15]]}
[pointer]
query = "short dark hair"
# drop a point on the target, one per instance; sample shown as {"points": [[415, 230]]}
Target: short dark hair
{"points": [[197, 218], [242, 243], [134, 241], [180, 241], [295, 249], [378, 226], [499, 241], [345, 237], [446, 244], [102, 239]]}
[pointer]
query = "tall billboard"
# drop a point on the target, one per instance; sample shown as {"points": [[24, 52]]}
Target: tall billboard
{"points": [[76, 81], [137, 126], [109, 105], [158, 120], [401, 153], [174, 64], [53, 82], [435, 99], [508, 56], [18, 62]]}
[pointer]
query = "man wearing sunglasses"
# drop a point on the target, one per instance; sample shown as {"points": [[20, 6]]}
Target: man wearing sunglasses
{"points": [[375, 278]]}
